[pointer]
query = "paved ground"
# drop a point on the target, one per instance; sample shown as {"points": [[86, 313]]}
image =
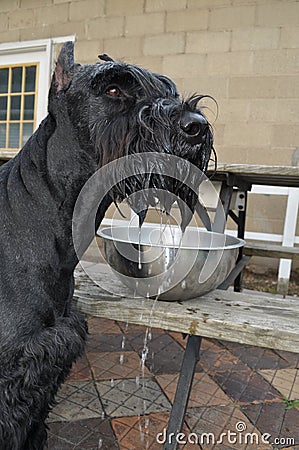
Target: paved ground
{"points": [[111, 402]]}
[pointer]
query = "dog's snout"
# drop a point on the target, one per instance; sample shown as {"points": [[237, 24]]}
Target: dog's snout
{"points": [[193, 125]]}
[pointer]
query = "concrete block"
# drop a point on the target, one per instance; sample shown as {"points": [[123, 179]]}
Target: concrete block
{"points": [[123, 7], [287, 86], [21, 19], [263, 109], [216, 86], [233, 154], [34, 3], [285, 135], [165, 5], [50, 15], [10, 35], [287, 111], [31, 33], [87, 52], [252, 134], [69, 28], [153, 63], [142, 24], [207, 3], [88, 9], [277, 13], [233, 110], [164, 44], [178, 66], [232, 17], [187, 20], [8, 5], [255, 38], [290, 37], [285, 61], [252, 87], [121, 48], [3, 21], [105, 27], [207, 41], [230, 63]]}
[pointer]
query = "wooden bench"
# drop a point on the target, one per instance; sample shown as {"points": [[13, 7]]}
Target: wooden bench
{"points": [[271, 251], [247, 318]]}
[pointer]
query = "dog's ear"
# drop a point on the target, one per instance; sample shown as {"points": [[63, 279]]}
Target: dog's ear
{"points": [[64, 67]]}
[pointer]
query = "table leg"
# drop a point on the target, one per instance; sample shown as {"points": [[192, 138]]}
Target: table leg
{"points": [[241, 234], [177, 415]]}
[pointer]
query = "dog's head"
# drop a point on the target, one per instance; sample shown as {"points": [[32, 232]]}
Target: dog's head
{"points": [[119, 109]]}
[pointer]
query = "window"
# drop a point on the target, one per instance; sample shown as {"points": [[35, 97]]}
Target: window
{"points": [[18, 102], [25, 72]]}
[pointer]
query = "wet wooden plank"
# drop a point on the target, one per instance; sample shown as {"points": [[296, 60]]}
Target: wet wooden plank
{"points": [[261, 174], [255, 319], [271, 251]]}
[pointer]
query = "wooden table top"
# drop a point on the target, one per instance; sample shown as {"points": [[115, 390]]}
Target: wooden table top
{"points": [[247, 318], [261, 174]]}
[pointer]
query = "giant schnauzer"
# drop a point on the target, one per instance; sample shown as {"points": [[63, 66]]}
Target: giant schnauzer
{"points": [[96, 114]]}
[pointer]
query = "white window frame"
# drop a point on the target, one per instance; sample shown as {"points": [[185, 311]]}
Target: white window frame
{"points": [[40, 51]]}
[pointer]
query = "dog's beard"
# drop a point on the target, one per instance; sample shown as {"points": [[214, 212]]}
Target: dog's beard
{"points": [[154, 128]]}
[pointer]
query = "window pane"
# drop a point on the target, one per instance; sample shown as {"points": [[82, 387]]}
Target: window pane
{"points": [[29, 107], [16, 79], [3, 108], [30, 79], [15, 107], [2, 135], [14, 134], [3, 81], [27, 132]]}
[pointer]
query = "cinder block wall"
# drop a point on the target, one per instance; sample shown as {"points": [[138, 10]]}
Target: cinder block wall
{"points": [[245, 53]]}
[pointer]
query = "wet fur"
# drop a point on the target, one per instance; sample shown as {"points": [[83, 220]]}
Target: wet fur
{"points": [[40, 334]]}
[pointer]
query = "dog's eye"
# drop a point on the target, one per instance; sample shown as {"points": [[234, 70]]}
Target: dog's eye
{"points": [[113, 91]]}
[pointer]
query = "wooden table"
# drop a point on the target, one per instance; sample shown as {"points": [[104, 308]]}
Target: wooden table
{"points": [[247, 318], [239, 178], [250, 318], [260, 174]]}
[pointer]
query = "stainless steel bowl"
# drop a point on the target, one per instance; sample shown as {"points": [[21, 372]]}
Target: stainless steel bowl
{"points": [[161, 261]]}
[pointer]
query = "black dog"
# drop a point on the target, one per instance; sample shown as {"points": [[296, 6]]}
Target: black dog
{"points": [[97, 113]]}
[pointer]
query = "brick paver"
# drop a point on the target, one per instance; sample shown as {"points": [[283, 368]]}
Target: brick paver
{"points": [[113, 401]]}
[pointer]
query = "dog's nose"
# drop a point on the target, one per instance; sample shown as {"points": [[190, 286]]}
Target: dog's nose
{"points": [[194, 126]]}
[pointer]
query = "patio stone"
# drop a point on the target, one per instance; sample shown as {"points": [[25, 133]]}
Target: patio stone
{"points": [[107, 343], [256, 357], [128, 397], [272, 418], [141, 432], [80, 370], [76, 401], [232, 383], [115, 365], [204, 390], [285, 381], [245, 386], [210, 422], [89, 434], [164, 354], [97, 325]]}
